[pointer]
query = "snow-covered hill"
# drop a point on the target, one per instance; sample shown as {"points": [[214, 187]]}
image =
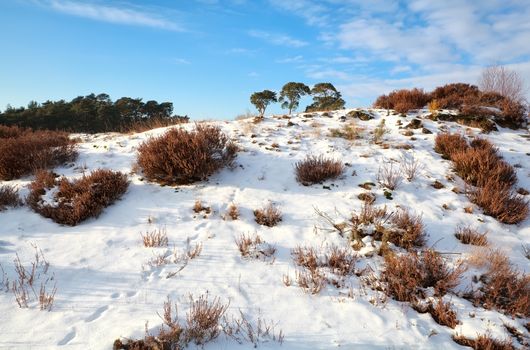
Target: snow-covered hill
{"points": [[106, 288]]}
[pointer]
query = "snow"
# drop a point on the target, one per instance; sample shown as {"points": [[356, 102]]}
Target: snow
{"points": [[106, 290]]}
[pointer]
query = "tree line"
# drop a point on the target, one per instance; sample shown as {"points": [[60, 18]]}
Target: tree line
{"points": [[325, 97], [90, 114]]}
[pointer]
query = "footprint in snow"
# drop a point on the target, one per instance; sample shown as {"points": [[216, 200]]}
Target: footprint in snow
{"points": [[68, 338], [97, 314]]}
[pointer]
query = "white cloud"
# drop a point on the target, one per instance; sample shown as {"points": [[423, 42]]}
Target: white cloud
{"points": [[277, 39], [294, 59], [181, 61], [113, 14]]}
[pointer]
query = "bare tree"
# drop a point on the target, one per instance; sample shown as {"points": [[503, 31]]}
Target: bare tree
{"points": [[504, 81]]}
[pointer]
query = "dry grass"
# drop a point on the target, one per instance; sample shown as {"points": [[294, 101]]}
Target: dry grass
{"points": [[9, 197], [470, 235], [316, 169], [484, 342], [155, 238], [22, 151], [349, 131], [233, 212], [379, 132], [77, 200], [269, 215], [182, 157], [503, 287], [389, 176], [406, 276], [254, 247], [310, 281], [409, 166]]}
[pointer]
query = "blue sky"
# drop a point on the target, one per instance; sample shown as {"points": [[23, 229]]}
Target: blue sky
{"points": [[208, 56]]}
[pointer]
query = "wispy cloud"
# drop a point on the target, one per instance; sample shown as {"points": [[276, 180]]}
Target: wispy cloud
{"points": [[277, 39], [181, 61], [294, 59], [113, 14]]}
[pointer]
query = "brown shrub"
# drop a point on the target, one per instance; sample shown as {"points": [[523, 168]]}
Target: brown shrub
{"points": [[513, 114], [79, 199], [443, 314], [233, 212], [406, 276], [11, 131], [315, 169], [470, 235], [22, 152], [198, 207], [500, 201], [503, 287], [476, 166], [268, 216], [254, 247], [203, 319], [484, 342], [448, 144], [9, 197], [181, 157], [403, 100], [409, 232], [453, 96]]}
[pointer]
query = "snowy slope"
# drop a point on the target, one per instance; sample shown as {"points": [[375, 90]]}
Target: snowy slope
{"points": [[105, 290]]}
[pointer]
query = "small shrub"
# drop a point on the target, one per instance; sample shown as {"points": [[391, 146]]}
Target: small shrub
{"points": [[198, 207], [76, 201], [389, 176], [406, 276], [484, 342], [254, 247], [513, 114], [409, 166], [469, 235], [448, 144], [500, 201], [503, 287], [233, 212], [410, 230], [315, 169], [9, 197], [268, 216], [203, 319], [156, 238], [443, 314], [182, 157], [25, 151]]}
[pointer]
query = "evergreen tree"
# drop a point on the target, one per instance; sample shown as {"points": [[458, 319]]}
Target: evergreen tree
{"points": [[291, 94], [262, 99]]}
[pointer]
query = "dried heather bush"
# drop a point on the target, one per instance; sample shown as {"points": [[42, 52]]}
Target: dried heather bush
{"points": [[203, 319], [315, 169], [409, 232], [269, 215], [155, 238], [9, 197], [26, 151], [453, 96], [477, 165], [443, 314], [77, 200], [181, 157], [348, 131], [484, 342], [470, 235], [340, 260], [447, 144], [310, 281], [233, 212], [254, 247], [503, 287], [409, 166], [406, 276], [500, 201], [403, 100], [198, 207]]}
